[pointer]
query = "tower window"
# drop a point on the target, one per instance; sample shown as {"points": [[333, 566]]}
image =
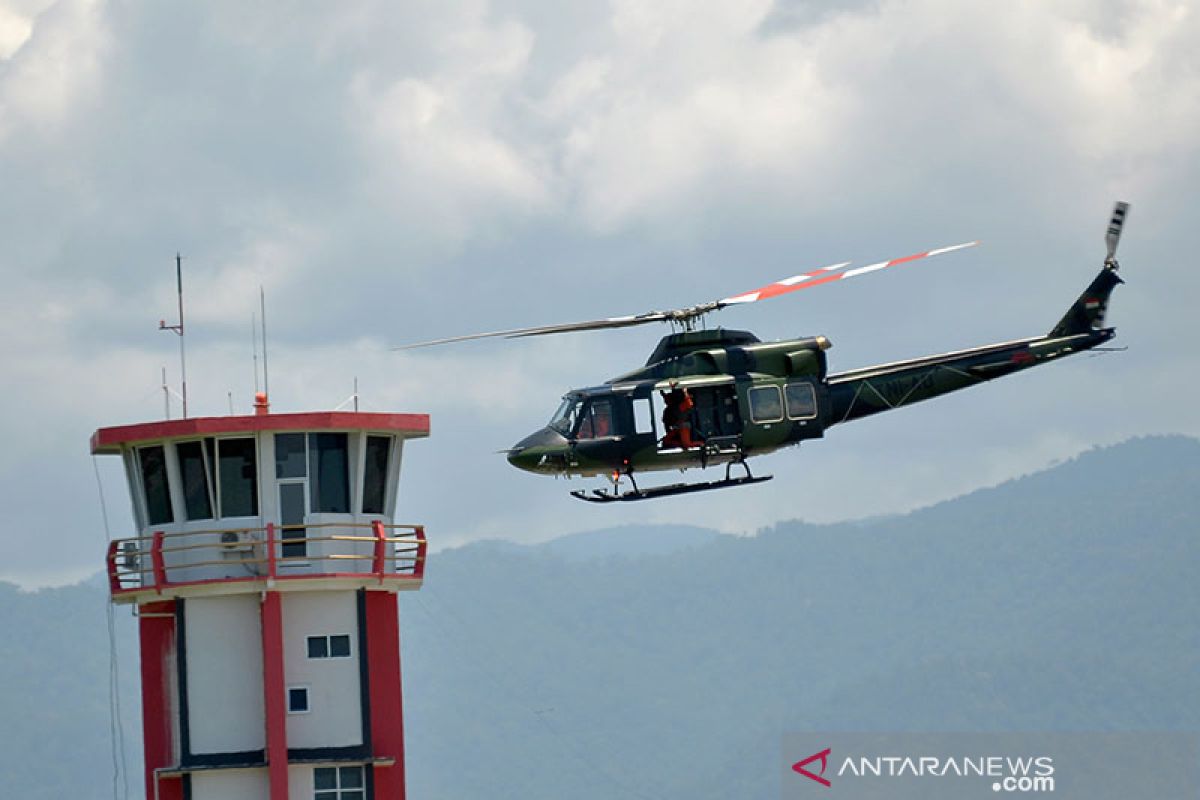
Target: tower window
{"points": [[297, 699], [329, 471], [153, 462], [237, 477], [339, 783], [335, 646], [375, 474], [195, 470]]}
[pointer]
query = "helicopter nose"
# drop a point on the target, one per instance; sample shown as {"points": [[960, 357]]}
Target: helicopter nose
{"points": [[539, 452]]}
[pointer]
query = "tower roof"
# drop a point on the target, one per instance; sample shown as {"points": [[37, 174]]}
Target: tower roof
{"points": [[110, 440]]}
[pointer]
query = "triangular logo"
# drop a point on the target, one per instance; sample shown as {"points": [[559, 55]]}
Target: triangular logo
{"points": [[823, 757]]}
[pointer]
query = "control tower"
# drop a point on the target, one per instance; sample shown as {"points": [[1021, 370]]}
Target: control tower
{"points": [[264, 572]]}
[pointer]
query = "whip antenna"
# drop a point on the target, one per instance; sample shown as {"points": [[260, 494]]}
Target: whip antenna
{"points": [[262, 305], [254, 347]]}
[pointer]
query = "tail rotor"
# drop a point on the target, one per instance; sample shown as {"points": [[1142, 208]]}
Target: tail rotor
{"points": [[1114, 233]]}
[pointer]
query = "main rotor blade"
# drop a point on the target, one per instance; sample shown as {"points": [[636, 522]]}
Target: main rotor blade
{"points": [[829, 274], [542, 330], [683, 315], [1120, 210]]}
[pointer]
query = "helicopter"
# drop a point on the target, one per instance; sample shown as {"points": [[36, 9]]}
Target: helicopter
{"points": [[717, 397]]}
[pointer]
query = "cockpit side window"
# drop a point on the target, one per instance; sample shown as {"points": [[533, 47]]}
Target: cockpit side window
{"points": [[564, 419], [597, 420]]}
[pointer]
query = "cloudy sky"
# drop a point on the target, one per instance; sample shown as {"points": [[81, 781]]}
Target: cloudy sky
{"points": [[394, 172]]}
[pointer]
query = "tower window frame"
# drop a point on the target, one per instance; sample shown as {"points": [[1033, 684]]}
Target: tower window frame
{"points": [[298, 699], [340, 783], [331, 646]]}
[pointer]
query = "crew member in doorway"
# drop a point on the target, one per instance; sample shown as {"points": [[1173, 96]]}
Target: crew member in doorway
{"points": [[677, 420]]}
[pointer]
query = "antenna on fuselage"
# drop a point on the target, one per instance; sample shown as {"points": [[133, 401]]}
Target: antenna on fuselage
{"points": [[178, 329]]}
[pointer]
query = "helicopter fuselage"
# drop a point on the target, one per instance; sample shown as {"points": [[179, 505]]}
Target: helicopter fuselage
{"points": [[713, 397], [752, 398]]}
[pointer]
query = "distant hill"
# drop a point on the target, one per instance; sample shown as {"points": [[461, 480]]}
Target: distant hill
{"points": [[629, 541], [612, 665]]}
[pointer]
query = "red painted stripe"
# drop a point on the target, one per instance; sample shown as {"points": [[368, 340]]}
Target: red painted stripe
{"points": [[906, 259], [776, 289], [109, 440], [157, 638], [275, 694], [387, 707]]}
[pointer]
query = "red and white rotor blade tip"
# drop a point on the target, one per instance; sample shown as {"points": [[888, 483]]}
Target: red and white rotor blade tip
{"points": [[833, 272]]}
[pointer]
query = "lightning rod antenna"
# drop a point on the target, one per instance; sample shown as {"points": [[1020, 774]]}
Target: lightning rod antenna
{"points": [[262, 305], [254, 346], [178, 330]]}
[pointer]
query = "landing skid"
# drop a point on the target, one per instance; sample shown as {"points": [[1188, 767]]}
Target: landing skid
{"points": [[613, 496]]}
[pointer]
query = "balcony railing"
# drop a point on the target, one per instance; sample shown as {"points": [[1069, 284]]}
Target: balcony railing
{"points": [[368, 550]]}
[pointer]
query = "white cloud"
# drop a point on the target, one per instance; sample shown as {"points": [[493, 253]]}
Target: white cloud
{"points": [[394, 172], [55, 61]]}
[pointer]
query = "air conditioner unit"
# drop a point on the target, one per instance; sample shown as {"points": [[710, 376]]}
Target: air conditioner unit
{"points": [[236, 544], [131, 557]]}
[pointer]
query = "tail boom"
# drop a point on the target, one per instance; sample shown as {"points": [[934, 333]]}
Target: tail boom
{"points": [[863, 392]]}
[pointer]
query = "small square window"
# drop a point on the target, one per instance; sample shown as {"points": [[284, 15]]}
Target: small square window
{"points": [[318, 647], [297, 699], [339, 646]]}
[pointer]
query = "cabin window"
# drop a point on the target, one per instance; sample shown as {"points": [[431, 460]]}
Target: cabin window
{"points": [[237, 478], [801, 401], [643, 416], [330, 476], [375, 473], [765, 404], [153, 462], [339, 783], [597, 420], [195, 470]]}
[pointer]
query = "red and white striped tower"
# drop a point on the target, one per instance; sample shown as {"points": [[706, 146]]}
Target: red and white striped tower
{"points": [[265, 570]]}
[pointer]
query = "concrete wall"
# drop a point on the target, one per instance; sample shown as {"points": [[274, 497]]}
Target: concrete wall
{"points": [[233, 784], [335, 715], [224, 674]]}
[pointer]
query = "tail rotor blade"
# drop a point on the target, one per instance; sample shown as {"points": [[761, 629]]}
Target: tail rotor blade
{"points": [[1114, 230]]}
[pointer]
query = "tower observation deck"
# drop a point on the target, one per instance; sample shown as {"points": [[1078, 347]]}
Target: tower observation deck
{"points": [[264, 571]]}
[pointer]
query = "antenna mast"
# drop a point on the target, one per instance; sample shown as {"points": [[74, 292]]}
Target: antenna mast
{"points": [[254, 346], [178, 330], [262, 307]]}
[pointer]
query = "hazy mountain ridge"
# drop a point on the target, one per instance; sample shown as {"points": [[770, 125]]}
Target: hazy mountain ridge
{"points": [[1061, 600]]}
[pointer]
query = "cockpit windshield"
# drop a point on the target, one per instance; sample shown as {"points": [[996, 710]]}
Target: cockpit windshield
{"points": [[563, 420]]}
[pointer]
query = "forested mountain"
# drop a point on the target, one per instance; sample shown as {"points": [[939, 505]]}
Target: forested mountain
{"points": [[615, 664]]}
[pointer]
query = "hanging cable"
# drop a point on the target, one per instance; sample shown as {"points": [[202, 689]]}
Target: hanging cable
{"points": [[116, 727]]}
